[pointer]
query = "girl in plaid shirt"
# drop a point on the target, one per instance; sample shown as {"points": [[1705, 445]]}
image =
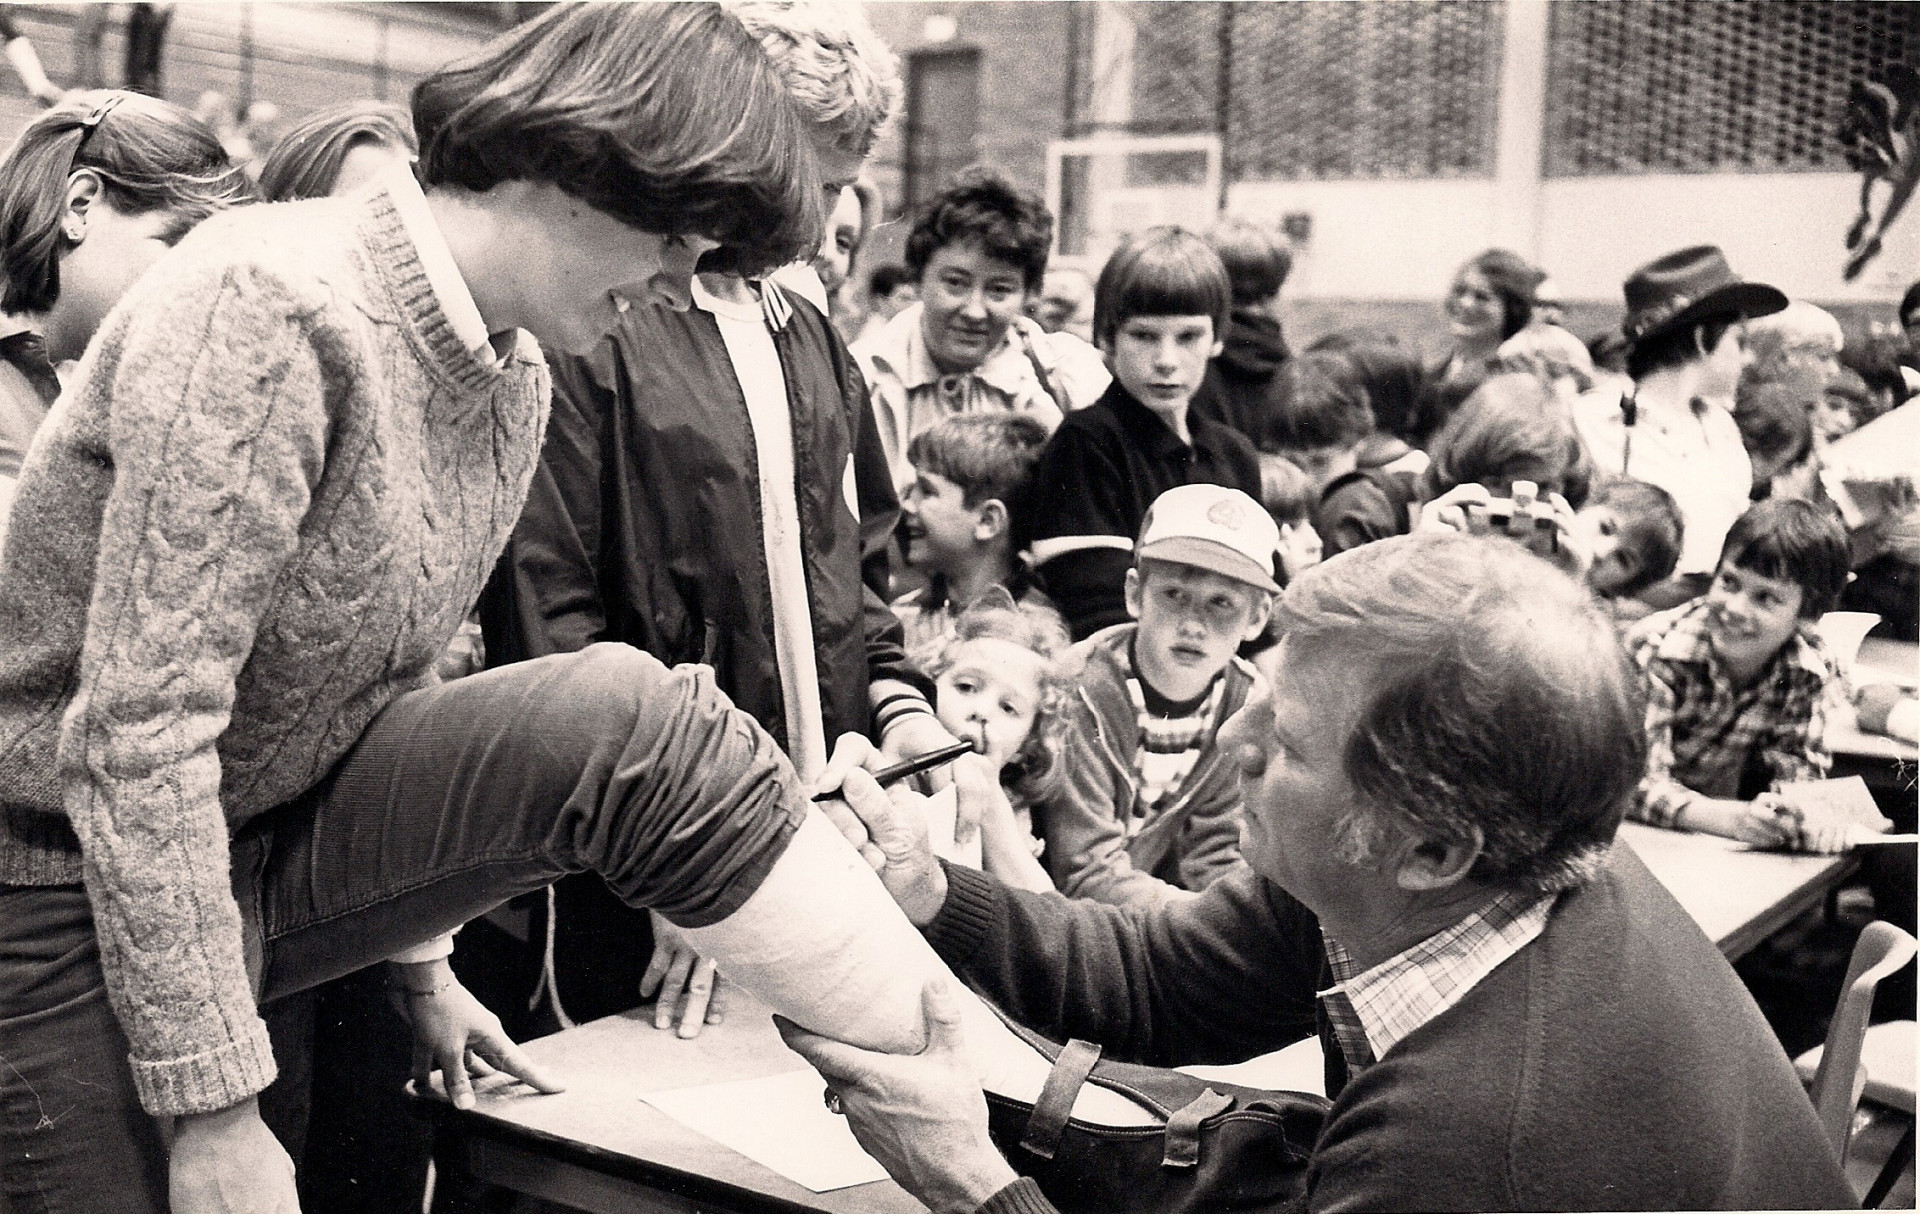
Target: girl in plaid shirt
{"points": [[1737, 679]]}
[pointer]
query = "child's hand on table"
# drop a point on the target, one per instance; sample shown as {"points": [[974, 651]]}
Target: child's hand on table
{"points": [[1765, 821]]}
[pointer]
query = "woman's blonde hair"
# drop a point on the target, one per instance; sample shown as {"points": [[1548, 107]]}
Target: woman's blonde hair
{"points": [[1034, 771]]}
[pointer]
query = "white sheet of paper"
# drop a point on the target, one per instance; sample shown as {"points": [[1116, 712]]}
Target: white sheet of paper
{"points": [[780, 1122]]}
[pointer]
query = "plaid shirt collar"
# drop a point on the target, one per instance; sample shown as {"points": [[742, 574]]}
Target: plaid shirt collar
{"points": [[1687, 641], [1374, 1011]]}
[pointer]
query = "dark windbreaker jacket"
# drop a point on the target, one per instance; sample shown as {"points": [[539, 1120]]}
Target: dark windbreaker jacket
{"points": [[643, 523]]}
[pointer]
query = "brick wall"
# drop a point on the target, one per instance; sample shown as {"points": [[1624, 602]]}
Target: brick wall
{"points": [[1023, 79]]}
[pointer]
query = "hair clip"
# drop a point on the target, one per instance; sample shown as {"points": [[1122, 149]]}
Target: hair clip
{"points": [[93, 119], [101, 110]]}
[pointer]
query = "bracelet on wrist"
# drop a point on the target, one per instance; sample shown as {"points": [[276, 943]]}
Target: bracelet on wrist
{"points": [[894, 708]]}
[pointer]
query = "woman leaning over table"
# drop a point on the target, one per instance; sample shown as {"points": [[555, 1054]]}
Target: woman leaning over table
{"points": [[286, 464]]}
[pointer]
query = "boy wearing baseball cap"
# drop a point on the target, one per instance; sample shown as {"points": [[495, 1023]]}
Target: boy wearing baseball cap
{"points": [[1149, 809]]}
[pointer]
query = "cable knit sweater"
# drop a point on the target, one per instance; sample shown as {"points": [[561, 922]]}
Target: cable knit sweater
{"points": [[256, 517]]}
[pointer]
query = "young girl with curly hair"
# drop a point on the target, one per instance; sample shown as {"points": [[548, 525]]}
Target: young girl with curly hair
{"points": [[999, 687]]}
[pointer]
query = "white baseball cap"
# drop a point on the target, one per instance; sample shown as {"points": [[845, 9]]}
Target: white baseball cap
{"points": [[1215, 528]]}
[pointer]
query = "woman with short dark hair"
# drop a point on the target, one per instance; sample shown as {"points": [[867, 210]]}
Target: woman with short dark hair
{"points": [[978, 250]]}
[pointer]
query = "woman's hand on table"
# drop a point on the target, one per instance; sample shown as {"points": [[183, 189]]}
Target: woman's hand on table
{"points": [[676, 967], [455, 1034], [921, 1115], [229, 1162]]}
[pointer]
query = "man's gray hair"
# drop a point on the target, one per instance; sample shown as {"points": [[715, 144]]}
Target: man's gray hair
{"points": [[1501, 700]]}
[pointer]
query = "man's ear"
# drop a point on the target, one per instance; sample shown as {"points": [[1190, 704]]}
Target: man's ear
{"points": [[1262, 612], [1131, 588], [990, 521], [1428, 864]]}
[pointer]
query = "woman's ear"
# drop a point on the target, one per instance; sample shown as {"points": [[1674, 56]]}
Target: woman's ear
{"points": [[83, 191], [991, 522]]}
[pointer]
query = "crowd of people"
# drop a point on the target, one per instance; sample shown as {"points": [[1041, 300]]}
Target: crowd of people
{"points": [[496, 501]]}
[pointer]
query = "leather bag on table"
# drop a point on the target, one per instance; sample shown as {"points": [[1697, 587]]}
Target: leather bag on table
{"points": [[1218, 1146]]}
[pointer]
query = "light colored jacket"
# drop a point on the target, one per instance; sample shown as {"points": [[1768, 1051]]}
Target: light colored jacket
{"points": [[910, 394], [1174, 852]]}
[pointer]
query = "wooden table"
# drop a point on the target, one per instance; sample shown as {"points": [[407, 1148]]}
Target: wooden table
{"points": [[599, 1147], [1738, 896]]}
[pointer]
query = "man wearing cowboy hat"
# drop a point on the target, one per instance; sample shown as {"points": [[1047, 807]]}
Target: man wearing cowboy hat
{"points": [[1683, 322]]}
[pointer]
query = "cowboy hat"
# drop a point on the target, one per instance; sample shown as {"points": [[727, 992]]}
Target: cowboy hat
{"points": [[1691, 285]]}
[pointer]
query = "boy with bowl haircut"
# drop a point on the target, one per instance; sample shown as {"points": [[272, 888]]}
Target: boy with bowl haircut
{"points": [[1150, 806], [1160, 308], [1737, 679], [956, 520]]}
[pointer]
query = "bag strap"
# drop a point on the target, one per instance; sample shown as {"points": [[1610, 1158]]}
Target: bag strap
{"points": [[1055, 1103], [1183, 1128], [1040, 373]]}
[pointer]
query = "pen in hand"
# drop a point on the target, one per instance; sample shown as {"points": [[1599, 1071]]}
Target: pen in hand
{"points": [[909, 767]]}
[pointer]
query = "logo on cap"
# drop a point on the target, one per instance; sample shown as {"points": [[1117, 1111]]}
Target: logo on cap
{"points": [[1226, 512]]}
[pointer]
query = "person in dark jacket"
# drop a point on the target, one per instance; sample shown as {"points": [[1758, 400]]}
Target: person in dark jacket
{"points": [[1515, 1014], [1253, 348], [713, 490], [1159, 305]]}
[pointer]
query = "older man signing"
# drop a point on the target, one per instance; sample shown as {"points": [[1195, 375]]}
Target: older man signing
{"points": [[1516, 1015]]}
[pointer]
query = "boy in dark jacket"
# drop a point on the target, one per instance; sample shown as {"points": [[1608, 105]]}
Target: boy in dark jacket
{"points": [[713, 489], [1322, 426], [1241, 378], [1160, 306]]}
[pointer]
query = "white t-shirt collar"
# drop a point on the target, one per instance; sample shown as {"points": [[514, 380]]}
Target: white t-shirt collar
{"points": [[443, 273]]}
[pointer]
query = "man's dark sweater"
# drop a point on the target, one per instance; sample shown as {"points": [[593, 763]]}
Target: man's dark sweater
{"points": [[1614, 1063], [1090, 490]]}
